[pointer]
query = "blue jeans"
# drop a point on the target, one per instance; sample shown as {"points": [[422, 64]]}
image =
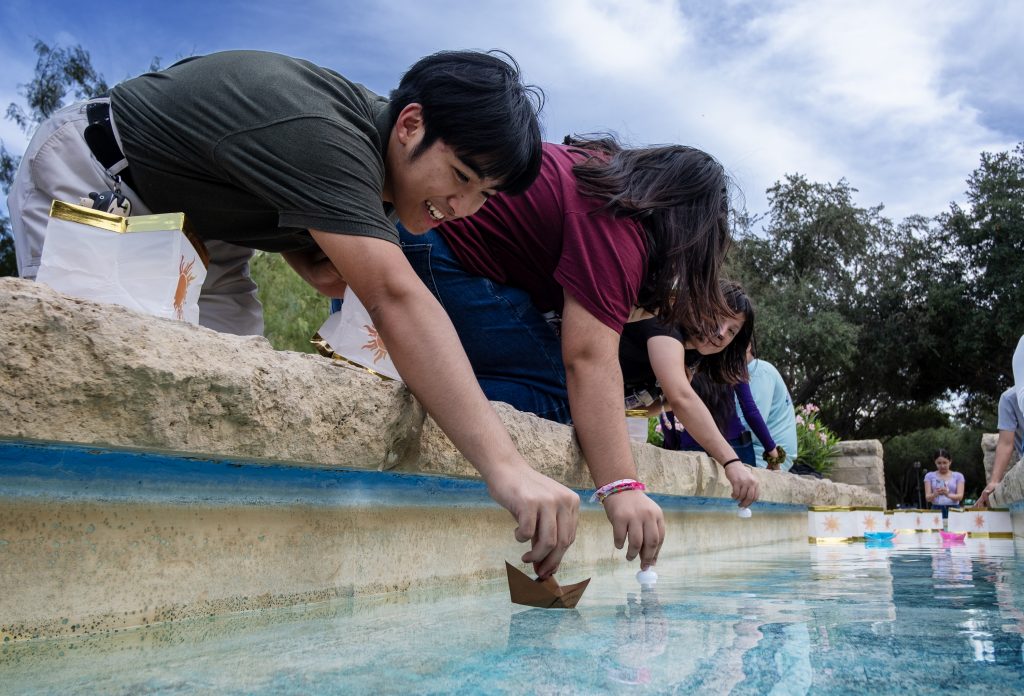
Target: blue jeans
{"points": [[744, 448], [742, 445], [516, 355]]}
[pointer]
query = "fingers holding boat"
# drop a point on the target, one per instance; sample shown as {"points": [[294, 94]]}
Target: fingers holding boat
{"points": [[547, 514]]}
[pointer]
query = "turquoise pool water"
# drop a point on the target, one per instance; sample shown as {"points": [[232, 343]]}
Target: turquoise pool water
{"points": [[910, 618]]}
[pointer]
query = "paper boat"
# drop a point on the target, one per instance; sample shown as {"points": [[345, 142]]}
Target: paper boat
{"points": [[953, 536], [546, 594], [879, 536]]}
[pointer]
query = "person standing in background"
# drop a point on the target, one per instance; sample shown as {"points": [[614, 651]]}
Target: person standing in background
{"points": [[943, 488], [776, 406]]}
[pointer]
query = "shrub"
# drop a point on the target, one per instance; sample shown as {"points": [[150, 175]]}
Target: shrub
{"points": [[654, 436], [292, 310], [816, 444]]}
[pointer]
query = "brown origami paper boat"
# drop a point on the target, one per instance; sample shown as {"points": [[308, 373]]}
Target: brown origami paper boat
{"points": [[546, 594]]}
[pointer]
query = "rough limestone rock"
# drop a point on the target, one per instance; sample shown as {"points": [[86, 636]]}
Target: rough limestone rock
{"points": [[80, 372], [859, 462], [1011, 490]]}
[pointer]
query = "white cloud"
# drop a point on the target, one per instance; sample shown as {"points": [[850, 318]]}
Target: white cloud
{"points": [[636, 42], [898, 97]]}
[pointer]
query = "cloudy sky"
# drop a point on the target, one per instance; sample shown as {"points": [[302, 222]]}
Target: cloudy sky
{"points": [[898, 97]]}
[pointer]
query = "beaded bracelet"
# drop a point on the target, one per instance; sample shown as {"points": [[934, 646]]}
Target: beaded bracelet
{"points": [[616, 487]]}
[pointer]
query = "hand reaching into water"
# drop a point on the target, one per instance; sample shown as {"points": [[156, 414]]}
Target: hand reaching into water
{"points": [[546, 511], [745, 488], [638, 519], [982, 501]]}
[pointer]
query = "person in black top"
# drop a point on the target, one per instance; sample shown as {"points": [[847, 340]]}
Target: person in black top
{"points": [[658, 362]]}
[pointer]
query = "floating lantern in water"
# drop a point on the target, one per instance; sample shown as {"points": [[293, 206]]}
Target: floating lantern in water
{"points": [[988, 523], [830, 524], [911, 521], [869, 519]]}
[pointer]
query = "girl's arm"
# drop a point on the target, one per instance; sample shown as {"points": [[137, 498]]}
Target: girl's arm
{"points": [[590, 351], [753, 417], [928, 494], [957, 494], [668, 359]]}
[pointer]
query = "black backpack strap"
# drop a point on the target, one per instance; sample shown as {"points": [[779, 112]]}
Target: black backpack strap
{"points": [[99, 136]]}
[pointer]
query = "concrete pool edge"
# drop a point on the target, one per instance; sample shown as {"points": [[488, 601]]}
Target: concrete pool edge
{"points": [[86, 549], [96, 540], [74, 371]]}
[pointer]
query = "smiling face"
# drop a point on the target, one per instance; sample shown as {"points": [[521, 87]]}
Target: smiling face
{"points": [[432, 186], [728, 327]]}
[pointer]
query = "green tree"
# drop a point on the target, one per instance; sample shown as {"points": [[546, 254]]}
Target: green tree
{"points": [[802, 272], [843, 307], [59, 71], [981, 277]]}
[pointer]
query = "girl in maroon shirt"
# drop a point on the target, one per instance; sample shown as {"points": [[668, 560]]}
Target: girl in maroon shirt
{"points": [[540, 285]]}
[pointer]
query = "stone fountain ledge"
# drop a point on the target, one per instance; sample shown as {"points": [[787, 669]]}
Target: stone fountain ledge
{"points": [[1010, 492], [122, 540], [74, 371]]}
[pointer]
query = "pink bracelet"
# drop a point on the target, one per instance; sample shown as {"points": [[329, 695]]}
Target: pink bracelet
{"points": [[616, 487]]}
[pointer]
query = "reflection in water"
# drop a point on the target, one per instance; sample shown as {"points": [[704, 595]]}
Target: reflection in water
{"points": [[911, 617], [641, 635]]}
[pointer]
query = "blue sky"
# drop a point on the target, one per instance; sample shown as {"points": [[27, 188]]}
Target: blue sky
{"points": [[898, 97]]}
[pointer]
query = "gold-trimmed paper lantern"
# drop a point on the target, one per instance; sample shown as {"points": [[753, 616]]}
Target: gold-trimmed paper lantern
{"points": [[148, 263], [870, 519], [832, 524], [991, 523]]}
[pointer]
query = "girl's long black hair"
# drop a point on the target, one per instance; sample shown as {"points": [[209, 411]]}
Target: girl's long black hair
{"points": [[680, 196], [730, 365], [717, 374], [717, 396]]}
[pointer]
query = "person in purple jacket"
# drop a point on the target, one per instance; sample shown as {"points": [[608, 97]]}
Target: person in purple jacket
{"points": [[720, 399]]}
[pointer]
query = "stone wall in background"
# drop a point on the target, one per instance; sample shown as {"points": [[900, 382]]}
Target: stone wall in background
{"points": [[80, 372], [860, 464], [100, 554]]}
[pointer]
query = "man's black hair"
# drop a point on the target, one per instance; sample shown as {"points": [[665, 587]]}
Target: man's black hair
{"points": [[478, 105]]}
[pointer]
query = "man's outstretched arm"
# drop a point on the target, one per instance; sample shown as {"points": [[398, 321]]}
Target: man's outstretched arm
{"points": [[426, 350]]}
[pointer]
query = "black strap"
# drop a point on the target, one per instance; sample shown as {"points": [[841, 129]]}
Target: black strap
{"points": [[99, 136]]}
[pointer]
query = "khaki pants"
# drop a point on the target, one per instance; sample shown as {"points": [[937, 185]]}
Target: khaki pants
{"points": [[59, 165]]}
